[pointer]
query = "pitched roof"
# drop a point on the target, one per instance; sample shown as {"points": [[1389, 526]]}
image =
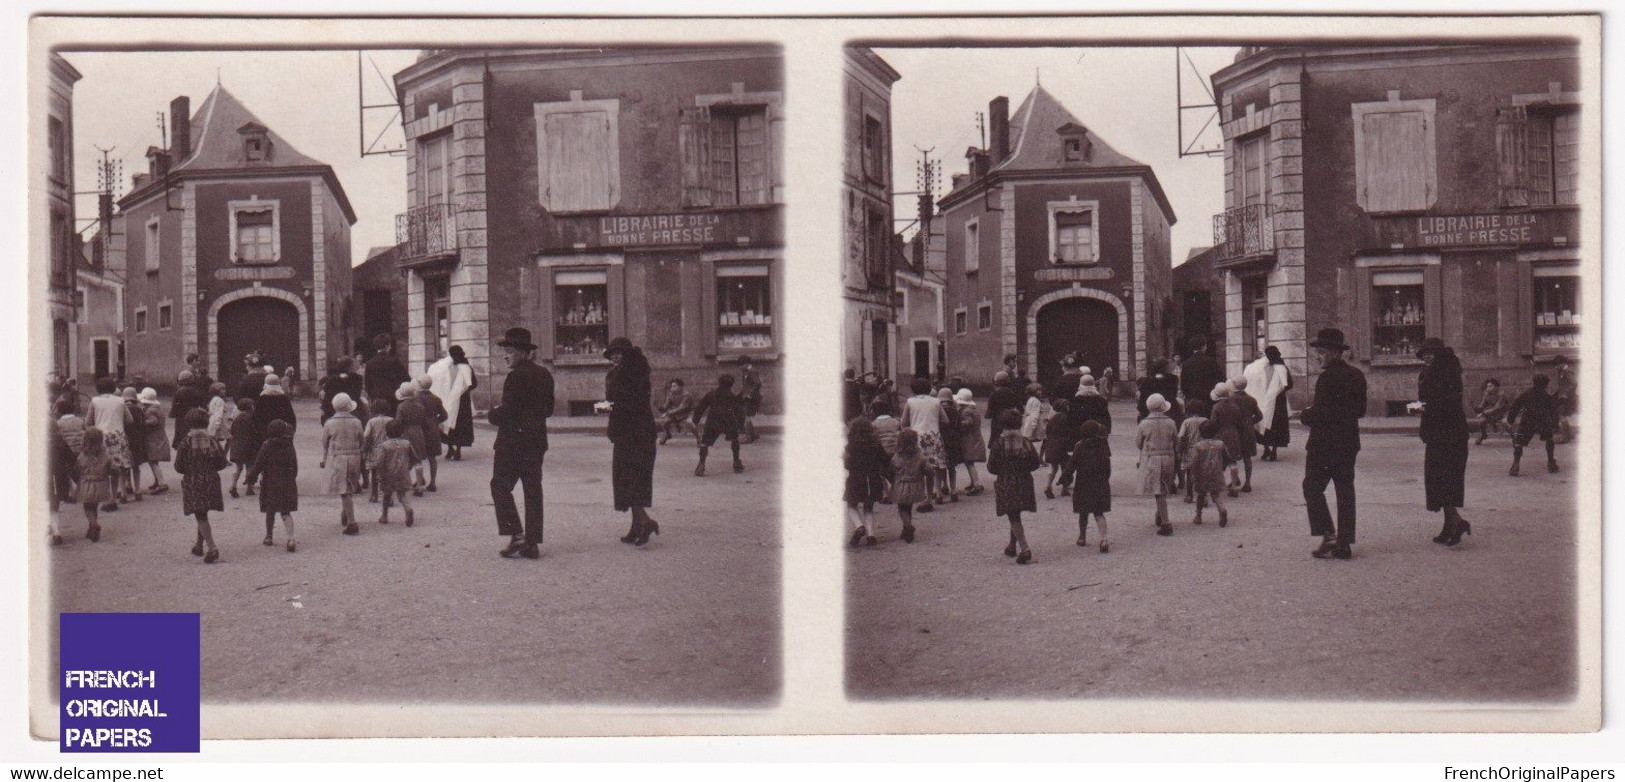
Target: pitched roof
{"points": [[1035, 143], [216, 143]]}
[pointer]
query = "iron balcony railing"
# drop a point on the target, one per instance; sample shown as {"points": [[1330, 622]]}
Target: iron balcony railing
{"points": [[1244, 231], [426, 232]]}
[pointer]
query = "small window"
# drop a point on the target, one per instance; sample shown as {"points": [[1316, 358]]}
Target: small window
{"points": [[254, 236], [1554, 158], [153, 245], [984, 316], [58, 139], [79, 305], [60, 237], [744, 308], [1075, 236], [902, 306], [739, 149], [581, 307], [1556, 302], [141, 320], [1399, 313], [961, 321], [877, 251], [973, 246], [1074, 150], [1255, 323], [165, 317], [256, 147], [874, 148]]}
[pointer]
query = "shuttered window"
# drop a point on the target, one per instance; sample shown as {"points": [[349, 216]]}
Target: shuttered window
{"points": [[579, 155], [1538, 155], [739, 150], [1394, 155], [1252, 171]]}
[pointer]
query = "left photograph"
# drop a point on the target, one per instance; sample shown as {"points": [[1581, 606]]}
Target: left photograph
{"points": [[445, 375]]}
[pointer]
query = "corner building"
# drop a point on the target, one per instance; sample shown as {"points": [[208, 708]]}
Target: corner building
{"points": [[1056, 243], [1400, 193], [590, 194]]}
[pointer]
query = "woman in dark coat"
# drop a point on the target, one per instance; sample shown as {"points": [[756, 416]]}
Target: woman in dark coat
{"points": [[632, 432], [1088, 404], [272, 405], [1444, 431], [340, 380]]}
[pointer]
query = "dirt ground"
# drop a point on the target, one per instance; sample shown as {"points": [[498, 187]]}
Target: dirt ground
{"points": [[432, 614], [1236, 613]]}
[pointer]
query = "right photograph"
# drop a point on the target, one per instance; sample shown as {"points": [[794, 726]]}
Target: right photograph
{"points": [[1218, 372]]}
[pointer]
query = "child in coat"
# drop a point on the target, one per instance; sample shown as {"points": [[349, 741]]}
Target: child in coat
{"points": [[1058, 444], [1011, 459], [908, 468], [1089, 467], [866, 466], [393, 476], [152, 415], [97, 478], [243, 446], [953, 450], [972, 443], [341, 455], [1158, 437], [1190, 433], [67, 440], [1227, 415], [199, 461], [277, 470], [1209, 457], [222, 411], [723, 412], [373, 436], [1535, 414], [1247, 435]]}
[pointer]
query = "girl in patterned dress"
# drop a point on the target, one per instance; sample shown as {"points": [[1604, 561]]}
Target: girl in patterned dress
{"points": [[1158, 437], [923, 413], [199, 460], [97, 475], [1011, 459], [341, 455], [1190, 433], [396, 457], [372, 441], [908, 479]]}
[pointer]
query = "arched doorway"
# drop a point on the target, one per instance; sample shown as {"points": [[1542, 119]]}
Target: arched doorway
{"points": [[1085, 326], [268, 325]]}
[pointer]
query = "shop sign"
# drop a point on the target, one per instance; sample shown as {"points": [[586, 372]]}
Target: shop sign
{"points": [[733, 228], [1472, 230]]}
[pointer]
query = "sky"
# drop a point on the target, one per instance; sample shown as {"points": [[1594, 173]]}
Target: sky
{"points": [[1125, 95], [308, 97]]}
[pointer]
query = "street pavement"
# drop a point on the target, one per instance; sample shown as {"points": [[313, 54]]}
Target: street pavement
{"points": [[432, 614], [1236, 613]]}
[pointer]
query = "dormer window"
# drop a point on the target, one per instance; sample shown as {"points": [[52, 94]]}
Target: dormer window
{"points": [[1075, 144], [256, 142]]}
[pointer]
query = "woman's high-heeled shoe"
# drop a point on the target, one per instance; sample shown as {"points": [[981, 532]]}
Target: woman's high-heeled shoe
{"points": [[651, 527], [631, 535], [1462, 528], [1444, 534]]}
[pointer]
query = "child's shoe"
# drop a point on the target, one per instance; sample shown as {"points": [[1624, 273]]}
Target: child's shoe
{"points": [[1198, 519], [212, 557], [1551, 465], [857, 538], [197, 549], [353, 529], [1224, 518], [925, 508], [739, 466], [1165, 530], [1105, 548], [291, 546], [908, 534], [233, 492], [1010, 550], [267, 542], [1025, 557], [408, 517], [1514, 471], [1049, 494]]}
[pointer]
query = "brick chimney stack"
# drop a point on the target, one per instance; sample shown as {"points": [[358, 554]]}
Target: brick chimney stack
{"points": [[180, 128], [998, 137]]}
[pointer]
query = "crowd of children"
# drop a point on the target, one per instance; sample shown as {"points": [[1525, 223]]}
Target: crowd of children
{"points": [[908, 452], [97, 448]]}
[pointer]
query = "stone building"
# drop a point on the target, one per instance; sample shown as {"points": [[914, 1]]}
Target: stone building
{"points": [[61, 229], [236, 242], [590, 194], [1400, 193], [867, 270], [378, 298], [1056, 244]]}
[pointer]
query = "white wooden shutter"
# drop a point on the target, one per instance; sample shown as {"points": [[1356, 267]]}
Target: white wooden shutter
{"points": [[580, 170], [694, 147]]}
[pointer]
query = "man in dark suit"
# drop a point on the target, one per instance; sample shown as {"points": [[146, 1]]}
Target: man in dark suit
{"points": [[1200, 373], [384, 372], [1333, 419], [521, 422]]}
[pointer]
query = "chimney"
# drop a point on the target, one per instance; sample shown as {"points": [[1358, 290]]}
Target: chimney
{"points": [[180, 128], [998, 137], [978, 162], [157, 163]]}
